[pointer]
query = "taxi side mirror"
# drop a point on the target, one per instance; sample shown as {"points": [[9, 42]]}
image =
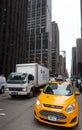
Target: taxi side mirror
{"points": [[77, 93], [41, 90]]}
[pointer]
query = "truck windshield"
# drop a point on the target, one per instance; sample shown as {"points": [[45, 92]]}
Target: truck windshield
{"points": [[17, 78]]}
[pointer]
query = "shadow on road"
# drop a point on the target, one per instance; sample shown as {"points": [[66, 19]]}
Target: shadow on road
{"points": [[50, 127]]}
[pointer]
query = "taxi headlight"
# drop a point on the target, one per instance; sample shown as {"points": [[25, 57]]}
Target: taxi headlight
{"points": [[70, 107], [38, 102]]}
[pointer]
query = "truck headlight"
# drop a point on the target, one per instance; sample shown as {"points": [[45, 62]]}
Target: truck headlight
{"points": [[24, 89], [70, 107], [6, 89]]}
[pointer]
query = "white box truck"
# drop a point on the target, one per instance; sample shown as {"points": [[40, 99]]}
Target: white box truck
{"points": [[26, 79]]}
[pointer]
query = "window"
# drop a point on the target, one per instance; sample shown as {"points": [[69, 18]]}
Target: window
{"points": [[38, 42]]}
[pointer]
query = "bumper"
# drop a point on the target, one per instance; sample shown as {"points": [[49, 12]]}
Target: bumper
{"points": [[69, 121], [16, 93]]}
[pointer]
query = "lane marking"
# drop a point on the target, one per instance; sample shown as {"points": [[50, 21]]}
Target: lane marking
{"points": [[2, 114], [1, 109]]}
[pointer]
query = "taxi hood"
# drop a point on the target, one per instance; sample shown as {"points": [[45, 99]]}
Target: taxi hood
{"points": [[55, 99]]}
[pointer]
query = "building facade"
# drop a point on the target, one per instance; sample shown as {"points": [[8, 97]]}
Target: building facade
{"points": [[39, 32], [78, 61], [73, 70], [79, 56], [81, 15], [62, 65], [13, 34], [55, 48]]}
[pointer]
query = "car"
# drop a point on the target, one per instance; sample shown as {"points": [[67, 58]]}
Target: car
{"points": [[57, 104], [2, 84], [51, 78], [69, 80]]}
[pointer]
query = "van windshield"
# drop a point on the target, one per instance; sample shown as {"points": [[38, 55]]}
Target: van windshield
{"points": [[17, 78]]}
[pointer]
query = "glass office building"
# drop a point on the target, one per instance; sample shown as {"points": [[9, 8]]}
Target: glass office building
{"points": [[13, 34], [39, 32]]}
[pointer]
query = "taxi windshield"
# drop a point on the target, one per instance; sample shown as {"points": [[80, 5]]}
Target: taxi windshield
{"points": [[59, 89]]}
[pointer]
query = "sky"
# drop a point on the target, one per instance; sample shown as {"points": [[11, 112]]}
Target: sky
{"points": [[66, 13]]}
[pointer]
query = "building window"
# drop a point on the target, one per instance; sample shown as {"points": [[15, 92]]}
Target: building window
{"points": [[32, 43], [45, 41], [38, 42]]}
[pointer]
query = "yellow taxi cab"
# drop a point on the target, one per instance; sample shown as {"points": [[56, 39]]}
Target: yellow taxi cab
{"points": [[57, 105]]}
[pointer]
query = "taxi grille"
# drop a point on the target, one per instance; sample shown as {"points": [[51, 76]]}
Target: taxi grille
{"points": [[15, 89], [53, 106], [58, 115], [53, 121]]}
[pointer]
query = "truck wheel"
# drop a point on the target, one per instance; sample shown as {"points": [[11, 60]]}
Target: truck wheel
{"points": [[31, 93], [2, 90]]}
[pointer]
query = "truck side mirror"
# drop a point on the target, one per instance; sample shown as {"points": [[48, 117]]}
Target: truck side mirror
{"points": [[30, 77]]}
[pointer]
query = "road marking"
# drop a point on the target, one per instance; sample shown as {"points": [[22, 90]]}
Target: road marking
{"points": [[2, 114], [1, 109]]}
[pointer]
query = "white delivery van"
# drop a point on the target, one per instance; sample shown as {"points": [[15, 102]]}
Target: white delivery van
{"points": [[26, 79], [2, 84]]}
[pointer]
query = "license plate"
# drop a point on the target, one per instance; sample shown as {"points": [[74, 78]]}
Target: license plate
{"points": [[14, 93], [52, 118]]}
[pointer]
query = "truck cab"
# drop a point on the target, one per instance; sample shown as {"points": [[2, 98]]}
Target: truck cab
{"points": [[20, 84]]}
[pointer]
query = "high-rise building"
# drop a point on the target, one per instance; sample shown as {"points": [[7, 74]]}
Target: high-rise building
{"points": [[62, 67], [39, 32], [81, 15], [79, 49], [79, 56], [55, 48], [13, 29], [73, 70], [78, 62]]}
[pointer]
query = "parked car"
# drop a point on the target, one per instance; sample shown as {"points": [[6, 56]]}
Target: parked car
{"points": [[2, 84], [69, 80], [78, 82], [57, 105], [79, 85]]}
